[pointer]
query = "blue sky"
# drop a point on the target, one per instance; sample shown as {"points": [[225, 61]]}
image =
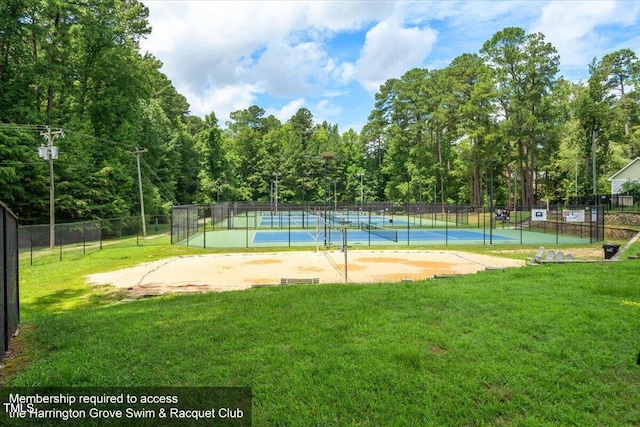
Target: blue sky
{"points": [[332, 56]]}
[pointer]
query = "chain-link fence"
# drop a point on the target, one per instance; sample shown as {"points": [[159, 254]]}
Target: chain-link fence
{"points": [[86, 237], [611, 202], [9, 307], [254, 224]]}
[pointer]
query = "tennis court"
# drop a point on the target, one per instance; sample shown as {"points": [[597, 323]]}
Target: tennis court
{"points": [[359, 236], [352, 219], [356, 237], [248, 226]]}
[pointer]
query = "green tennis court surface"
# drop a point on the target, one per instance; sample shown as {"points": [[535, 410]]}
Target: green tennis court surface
{"points": [[282, 238]]}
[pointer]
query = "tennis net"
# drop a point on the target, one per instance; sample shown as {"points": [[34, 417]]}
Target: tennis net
{"points": [[384, 233]]}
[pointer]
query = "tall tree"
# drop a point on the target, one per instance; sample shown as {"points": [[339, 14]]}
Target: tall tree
{"points": [[525, 69], [594, 112], [623, 69], [474, 95]]}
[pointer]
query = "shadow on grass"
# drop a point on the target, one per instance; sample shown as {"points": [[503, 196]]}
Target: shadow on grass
{"points": [[71, 299]]}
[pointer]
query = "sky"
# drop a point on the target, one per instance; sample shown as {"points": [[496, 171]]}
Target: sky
{"points": [[332, 56]]}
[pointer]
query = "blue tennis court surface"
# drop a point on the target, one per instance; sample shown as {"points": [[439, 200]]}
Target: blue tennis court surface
{"points": [[312, 220], [309, 236]]}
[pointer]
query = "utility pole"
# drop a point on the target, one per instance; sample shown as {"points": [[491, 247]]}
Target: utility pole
{"points": [[50, 153], [138, 152], [593, 166]]}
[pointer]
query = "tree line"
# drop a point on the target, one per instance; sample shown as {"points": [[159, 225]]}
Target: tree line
{"points": [[433, 135]]}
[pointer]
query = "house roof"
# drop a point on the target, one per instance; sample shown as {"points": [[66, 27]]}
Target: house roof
{"points": [[624, 169]]}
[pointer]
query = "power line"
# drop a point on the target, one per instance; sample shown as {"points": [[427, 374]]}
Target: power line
{"points": [[23, 126], [38, 128], [23, 163], [100, 139], [159, 181]]}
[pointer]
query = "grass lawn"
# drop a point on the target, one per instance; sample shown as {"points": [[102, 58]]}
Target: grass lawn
{"points": [[544, 345]]}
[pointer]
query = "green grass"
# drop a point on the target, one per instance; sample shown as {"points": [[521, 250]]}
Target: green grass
{"points": [[545, 345]]}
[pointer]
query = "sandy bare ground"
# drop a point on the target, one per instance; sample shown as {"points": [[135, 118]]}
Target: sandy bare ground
{"points": [[227, 272]]}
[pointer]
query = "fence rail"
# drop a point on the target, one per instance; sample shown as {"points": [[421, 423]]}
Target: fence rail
{"points": [[612, 202], [253, 224], [9, 280], [90, 236]]}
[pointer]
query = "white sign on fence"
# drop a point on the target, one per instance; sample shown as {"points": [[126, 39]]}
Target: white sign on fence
{"points": [[538, 214], [573, 216]]}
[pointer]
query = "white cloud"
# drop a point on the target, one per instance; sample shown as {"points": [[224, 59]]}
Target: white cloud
{"points": [[347, 15], [572, 27], [322, 110], [326, 110], [390, 50], [287, 111], [221, 100], [227, 55], [292, 70], [233, 50]]}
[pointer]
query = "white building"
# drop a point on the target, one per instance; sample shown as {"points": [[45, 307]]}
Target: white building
{"points": [[631, 172]]}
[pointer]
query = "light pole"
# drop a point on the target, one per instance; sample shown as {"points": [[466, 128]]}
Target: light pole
{"points": [[327, 156], [361, 175], [271, 196], [576, 183], [50, 153], [335, 195], [276, 174], [491, 202]]}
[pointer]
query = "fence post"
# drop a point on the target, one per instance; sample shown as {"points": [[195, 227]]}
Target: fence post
{"points": [[408, 229], [4, 330], [31, 246], [520, 222], [446, 230], [484, 226], [289, 228], [591, 228], [187, 227], [369, 231]]}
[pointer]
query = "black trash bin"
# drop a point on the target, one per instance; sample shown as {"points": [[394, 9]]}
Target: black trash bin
{"points": [[610, 249]]}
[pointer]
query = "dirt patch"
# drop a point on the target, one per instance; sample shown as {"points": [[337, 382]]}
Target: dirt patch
{"points": [[226, 272], [266, 261], [404, 269], [435, 349], [395, 260], [312, 269]]}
